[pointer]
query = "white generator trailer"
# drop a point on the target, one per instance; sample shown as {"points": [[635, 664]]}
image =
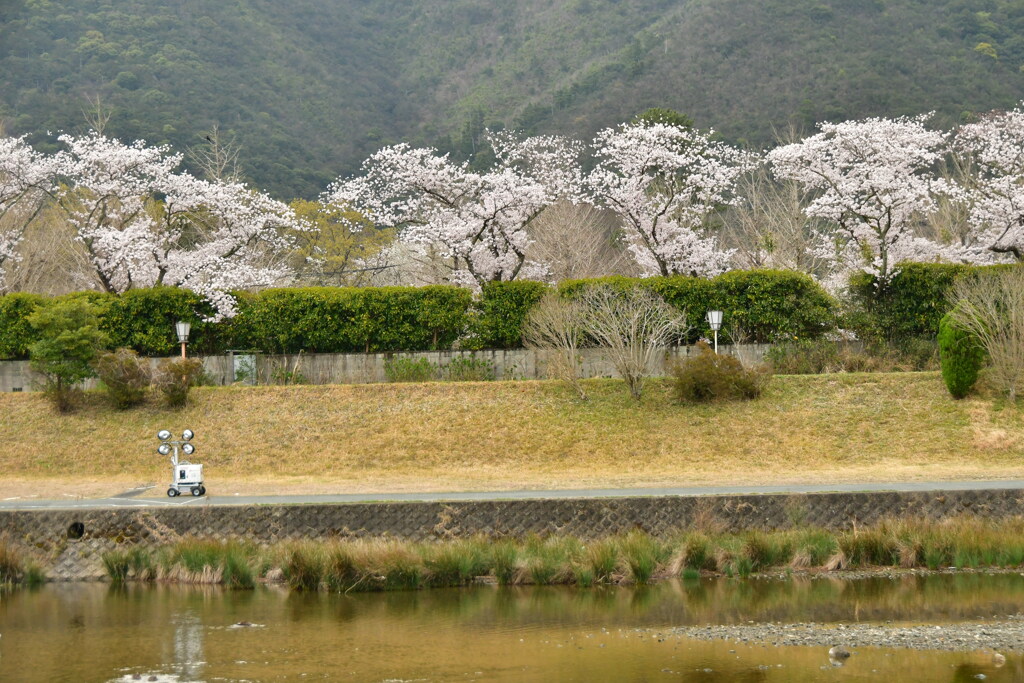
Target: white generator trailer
{"points": [[186, 477]]}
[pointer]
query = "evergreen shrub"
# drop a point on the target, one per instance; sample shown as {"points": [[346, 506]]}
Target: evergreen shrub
{"points": [[961, 355]]}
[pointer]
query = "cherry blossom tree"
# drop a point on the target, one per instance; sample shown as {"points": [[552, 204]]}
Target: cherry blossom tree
{"points": [[27, 178], [144, 224], [477, 222], [995, 192], [665, 182], [872, 180]]}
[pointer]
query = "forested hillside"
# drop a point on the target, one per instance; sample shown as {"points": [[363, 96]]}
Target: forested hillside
{"points": [[310, 87]]}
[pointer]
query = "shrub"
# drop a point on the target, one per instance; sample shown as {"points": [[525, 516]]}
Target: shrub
{"points": [[125, 375], [804, 356], [708, 376], [962, 357], [16, 334], [990, 305], [69, 340], [410, 370], [175, 377], [464, 369]]}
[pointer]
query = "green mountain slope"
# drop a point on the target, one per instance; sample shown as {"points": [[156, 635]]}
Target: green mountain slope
{"points": [[310, 87]]}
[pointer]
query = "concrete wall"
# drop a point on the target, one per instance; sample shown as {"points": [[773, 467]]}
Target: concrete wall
{"points": [[360, 368], [45, 535]]}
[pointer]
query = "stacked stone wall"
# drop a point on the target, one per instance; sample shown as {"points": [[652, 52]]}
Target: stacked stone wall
{"points": [[69, 543]]}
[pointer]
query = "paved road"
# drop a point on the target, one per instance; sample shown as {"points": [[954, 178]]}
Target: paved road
{"points": [[124, 500]]}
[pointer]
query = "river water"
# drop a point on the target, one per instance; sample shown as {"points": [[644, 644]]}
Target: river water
{"points": [[95, 632]]}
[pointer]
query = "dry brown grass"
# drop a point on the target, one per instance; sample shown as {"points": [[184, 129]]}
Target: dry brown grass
{"points": [[509, 435]]}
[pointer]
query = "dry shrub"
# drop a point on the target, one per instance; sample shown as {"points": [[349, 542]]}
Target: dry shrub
{"points": [[709, 376], [175, 377], [990, 306], [125, 375], [556, 324]]}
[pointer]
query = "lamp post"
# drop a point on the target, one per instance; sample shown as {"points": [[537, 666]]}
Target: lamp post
{"points": [[715, 320], [182, 328]]}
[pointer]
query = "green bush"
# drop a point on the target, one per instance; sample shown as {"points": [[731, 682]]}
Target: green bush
{"points": [[962, 357], [175, 377], [16, 334], [69, 339], [468, 370], [125, 375], [410, 370], [709, 376]]}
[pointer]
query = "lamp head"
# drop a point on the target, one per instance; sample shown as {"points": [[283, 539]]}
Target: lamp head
{"points": [[163, 435], [182, 328], [715, 320]]}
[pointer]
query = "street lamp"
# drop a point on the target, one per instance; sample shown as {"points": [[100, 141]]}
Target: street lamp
{"points": [[715, 320], [182, 328]]}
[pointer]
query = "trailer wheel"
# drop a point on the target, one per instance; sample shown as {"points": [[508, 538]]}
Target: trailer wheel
{"points": [[172, 492], [197, 491], [202, 490]]}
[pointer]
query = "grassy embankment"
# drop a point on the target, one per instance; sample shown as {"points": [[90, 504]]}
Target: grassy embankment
{"points": [[509, 435], [635, 557]]}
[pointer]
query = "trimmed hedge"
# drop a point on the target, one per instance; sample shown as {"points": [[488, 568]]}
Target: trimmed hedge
{"points": [[913, 303], [501, 313], [766, 305], [769, 305], [347, 319]]}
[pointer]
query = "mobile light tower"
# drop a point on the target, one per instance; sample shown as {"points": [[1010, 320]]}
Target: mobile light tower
{"points": [[185, 476], [715, 320]]}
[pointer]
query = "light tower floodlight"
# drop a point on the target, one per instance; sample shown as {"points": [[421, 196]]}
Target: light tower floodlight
{"points": [[184, 475]]}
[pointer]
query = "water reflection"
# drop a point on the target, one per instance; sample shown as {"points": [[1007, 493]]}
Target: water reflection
{"points": [[97, 633]]}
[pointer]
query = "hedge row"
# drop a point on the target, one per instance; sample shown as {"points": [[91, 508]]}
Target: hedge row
{"points": [[762, 305], [911, 305], [759, 305]]}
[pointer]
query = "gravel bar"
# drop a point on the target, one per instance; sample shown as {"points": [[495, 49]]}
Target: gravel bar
{"points": [[1003, 633]]}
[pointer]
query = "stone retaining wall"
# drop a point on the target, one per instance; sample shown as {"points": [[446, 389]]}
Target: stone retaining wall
{"points": [[50, 535]]}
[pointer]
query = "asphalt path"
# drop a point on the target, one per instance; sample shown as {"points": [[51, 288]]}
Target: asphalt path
{"points": [[126, 499]]}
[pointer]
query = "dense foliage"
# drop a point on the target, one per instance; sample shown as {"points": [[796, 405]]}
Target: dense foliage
{"points": [[758, 305], [911, 305], [962, 357], [311, 88]]}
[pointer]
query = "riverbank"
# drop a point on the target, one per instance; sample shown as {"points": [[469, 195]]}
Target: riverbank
{"points": [[516, 435], [381, 564]]}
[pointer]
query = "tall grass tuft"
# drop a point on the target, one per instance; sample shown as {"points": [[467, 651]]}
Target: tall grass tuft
{"points": [[304, 566], [603, 559], [641, 554], [504, 561], [11, 568], [135, 562]]}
